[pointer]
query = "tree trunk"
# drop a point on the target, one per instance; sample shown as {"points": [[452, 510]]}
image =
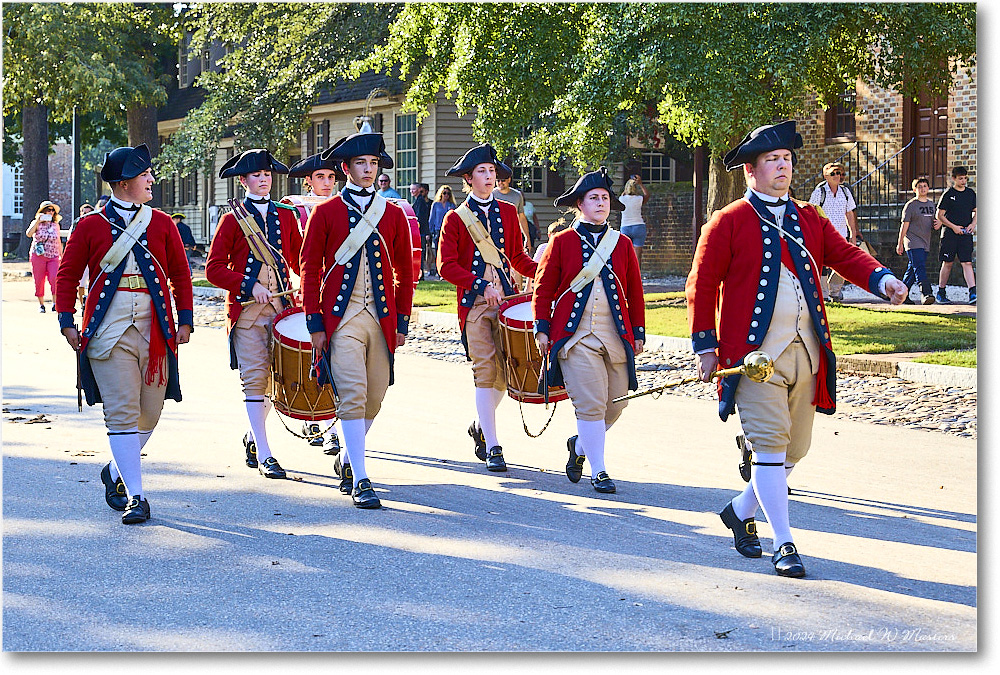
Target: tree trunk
{"points": [[35, 155], [142, 129], [724, 187]]}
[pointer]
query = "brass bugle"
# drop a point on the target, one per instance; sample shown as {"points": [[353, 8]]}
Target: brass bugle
{"points": [[247, 303], [758, 366]]}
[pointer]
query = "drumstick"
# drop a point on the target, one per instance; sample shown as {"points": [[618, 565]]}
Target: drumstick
{"points": [[276, 295]]}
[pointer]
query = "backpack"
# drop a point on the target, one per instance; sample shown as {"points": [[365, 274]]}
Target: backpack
{"points": [[822, 193]]}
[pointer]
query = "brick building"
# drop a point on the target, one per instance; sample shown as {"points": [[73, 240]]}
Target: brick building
{"points": [[15, 220]]}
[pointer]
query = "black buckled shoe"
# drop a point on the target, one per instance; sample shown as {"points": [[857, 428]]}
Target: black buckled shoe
{"points": [[787, 562], [480, 440], [332, 446], [744, 532], [114, 490], [574, 466], [313, 432], [250, 445], [741, 443], [270, 468], [364, 495], [137, 511], [346, 478], [603, 483], [494, 459]]}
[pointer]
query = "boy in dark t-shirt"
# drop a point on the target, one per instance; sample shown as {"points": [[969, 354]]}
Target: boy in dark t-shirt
{"points": [[957, 214], [918, 222]]}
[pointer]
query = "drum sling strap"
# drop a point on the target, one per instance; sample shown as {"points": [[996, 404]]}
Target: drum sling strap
{"points": [[597, 262], [480, 237], [359, 235]]}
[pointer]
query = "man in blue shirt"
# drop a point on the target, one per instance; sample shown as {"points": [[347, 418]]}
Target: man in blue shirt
{"points": [[385, 187]]}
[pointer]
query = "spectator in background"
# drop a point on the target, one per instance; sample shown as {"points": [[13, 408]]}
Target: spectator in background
{"points": [[46, 250], [443, 202], [557, 226], [505, 193], [385, 187], [634, 196], [837, 202], [915, 239], [84, 210], [957, 213], [422, 210], [101, 201], [186, 237], [532, 217]]}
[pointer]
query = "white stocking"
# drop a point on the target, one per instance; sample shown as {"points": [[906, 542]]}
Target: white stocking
{"points": [[126, 451], [354, 446], [486, 406]]}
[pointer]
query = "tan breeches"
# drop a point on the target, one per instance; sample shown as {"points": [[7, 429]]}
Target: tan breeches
{"points": [[252, 345], [593, 378], [777, 415], [482, 332], [129, 403], [359, 363]]}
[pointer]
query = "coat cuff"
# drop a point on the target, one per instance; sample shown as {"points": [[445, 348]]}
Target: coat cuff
{"points": [[542, 326], [704, 340], [402, 324], [639, 333], [185, 317], [479, 286], [314, 323], [875, 281], [66, 320]]}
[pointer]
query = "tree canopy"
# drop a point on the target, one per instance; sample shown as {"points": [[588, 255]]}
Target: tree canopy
{"points": [[279, 57]]}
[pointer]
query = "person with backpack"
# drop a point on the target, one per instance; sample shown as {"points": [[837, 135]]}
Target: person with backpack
{"points": [[838, 204]]}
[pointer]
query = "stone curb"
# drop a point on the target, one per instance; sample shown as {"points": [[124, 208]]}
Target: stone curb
{"points": [[208, 292], [924, 373]]}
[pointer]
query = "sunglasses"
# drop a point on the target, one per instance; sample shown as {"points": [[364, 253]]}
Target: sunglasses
{"points": [[384, 180], [836, 173]]}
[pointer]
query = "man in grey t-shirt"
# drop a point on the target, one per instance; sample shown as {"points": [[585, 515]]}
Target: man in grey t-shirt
{"points": [[918, 221]]}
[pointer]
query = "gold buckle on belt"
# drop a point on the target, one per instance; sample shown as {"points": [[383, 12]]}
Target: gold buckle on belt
{"points": [[133, 282]]}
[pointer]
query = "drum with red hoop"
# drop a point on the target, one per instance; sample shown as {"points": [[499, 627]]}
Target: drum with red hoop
{"points": [[522, 360], [293, 390]]}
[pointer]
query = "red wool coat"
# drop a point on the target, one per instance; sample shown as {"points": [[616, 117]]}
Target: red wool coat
{"points": [[724, 287], [228, 257], [328, 226], [456, 251]]}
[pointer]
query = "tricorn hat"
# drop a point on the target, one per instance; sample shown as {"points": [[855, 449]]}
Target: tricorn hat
{"points": [[481, 154], [178, 215], [251, 161], [590, 181], [125, 163], [304, 168], [356, 145], [781, 136]]}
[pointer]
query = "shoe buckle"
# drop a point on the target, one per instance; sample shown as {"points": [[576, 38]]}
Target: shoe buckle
{"points": [[786, 549], [751, 528], [120, 488]]}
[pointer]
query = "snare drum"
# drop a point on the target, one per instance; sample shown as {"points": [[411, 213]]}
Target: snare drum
{"points": [[522, 360], [293, 391]]}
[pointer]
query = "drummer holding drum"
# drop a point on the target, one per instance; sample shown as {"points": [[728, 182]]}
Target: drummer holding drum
{"points": [[589, 311], [251, 257], [480, 242]]}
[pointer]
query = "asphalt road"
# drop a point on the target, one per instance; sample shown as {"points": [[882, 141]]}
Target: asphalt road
{"points": [[460, 559]]}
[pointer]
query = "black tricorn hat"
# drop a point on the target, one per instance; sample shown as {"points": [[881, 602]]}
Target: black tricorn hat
{"points": [[767, 138], [124, 163], [481, 154], [304, 168], [250, 161], [356, 145], [590, 181]]}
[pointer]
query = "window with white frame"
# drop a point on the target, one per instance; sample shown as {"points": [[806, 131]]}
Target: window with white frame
{"points": [[529, 179], [406, 152], [657, 168], [19, 190]]}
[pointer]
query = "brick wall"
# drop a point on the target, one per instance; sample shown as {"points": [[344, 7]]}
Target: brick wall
{"points": [[962, 117], [61, 181], [669, 235]]}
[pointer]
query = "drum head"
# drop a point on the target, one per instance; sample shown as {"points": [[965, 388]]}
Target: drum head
{"points": [[292, 329], [516, 313]]}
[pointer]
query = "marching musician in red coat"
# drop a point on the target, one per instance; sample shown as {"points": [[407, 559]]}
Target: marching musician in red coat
{"points": [[255, 269], [761, 256], [480, 244], [128, 348], [319, 177], [357, 288], [589, 310]]}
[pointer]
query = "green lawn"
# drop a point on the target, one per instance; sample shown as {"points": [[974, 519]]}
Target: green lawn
{"points": [[855, 330]]}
